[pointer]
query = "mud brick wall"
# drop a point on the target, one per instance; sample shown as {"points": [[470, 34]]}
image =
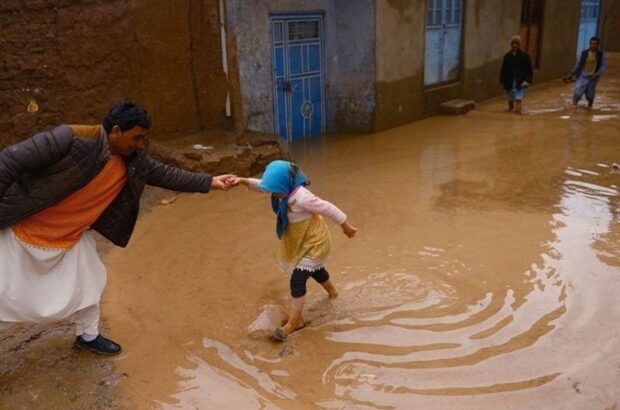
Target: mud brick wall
{"points": [[67, 61]]}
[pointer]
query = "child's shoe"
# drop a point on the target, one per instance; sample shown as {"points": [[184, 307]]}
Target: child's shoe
{"points": [[279, 334]]}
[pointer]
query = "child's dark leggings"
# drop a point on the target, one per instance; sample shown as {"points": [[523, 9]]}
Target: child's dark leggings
{"points": [[300, 277]]}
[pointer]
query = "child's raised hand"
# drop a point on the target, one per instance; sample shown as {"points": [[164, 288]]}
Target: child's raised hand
{"points": [[238, 181], [348, 229]]}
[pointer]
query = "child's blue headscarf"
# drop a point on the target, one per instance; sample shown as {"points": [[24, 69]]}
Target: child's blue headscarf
{"points": [[281, 177]]}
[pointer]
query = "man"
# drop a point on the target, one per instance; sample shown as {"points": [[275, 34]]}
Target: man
{"points": [[516, 74], [54, 187], [589, 68]]}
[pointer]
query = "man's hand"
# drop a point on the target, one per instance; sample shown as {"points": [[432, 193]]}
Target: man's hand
{"points": [[223, 182], [348, 229]]}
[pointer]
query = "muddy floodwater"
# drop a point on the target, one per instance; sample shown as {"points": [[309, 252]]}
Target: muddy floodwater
{"points": [[485, 274]]}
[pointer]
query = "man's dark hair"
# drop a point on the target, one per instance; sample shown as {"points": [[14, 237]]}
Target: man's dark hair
{"points": [[598, 40], [126, 115]]}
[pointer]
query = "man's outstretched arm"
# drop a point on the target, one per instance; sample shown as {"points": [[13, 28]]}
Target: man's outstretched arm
{"points": [[176, 179]]}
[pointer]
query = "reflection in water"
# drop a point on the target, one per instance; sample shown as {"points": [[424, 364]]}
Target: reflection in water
{"points": [[407, 336], [597, 118], [485, 275], [262, 379], [206, 384], [448, 362], [544, 110], [459, 359], [410, 343]]}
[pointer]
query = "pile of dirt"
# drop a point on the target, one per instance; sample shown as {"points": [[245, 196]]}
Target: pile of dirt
{"points": [[209, 152]]}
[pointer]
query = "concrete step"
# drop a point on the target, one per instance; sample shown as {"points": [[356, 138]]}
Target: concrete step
{"points": [[455, 107]]}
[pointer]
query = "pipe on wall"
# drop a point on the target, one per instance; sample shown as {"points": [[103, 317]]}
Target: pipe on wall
{"points": [[224, 53]]}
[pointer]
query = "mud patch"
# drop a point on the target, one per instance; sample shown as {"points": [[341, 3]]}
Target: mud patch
{"points": [[39, 369]]}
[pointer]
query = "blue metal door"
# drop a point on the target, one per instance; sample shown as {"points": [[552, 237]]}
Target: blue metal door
{"points": [[588, 24], [298, 75], [443, 41]]}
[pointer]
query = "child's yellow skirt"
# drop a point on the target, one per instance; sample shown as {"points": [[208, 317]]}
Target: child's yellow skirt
{"points": [[305, 245]]}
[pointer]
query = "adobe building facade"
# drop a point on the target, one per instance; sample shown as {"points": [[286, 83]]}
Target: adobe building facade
{"points": [[297, 68], [384, 63]]}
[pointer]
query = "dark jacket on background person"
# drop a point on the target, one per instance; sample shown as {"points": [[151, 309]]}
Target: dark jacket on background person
{"points": [[48, 167], [516, 68], [582, 62]]}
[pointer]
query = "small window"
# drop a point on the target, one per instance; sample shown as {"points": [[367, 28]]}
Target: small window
{"points": [[277, 32], [440, 12], [434, 9], [303, 30], [453, 11], [429, 13], [448, 12], [457, 11]]}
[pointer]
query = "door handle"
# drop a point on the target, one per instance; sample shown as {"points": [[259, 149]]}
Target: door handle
{"points": [[285, 86]]}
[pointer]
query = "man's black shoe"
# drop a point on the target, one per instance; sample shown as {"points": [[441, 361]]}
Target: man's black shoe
{"points": [[99, 345]]}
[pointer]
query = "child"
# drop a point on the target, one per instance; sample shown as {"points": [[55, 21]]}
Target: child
{"points": [[305, 238]]}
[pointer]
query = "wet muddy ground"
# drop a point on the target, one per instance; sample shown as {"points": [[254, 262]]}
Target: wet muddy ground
{"points": [[485, 274]]}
